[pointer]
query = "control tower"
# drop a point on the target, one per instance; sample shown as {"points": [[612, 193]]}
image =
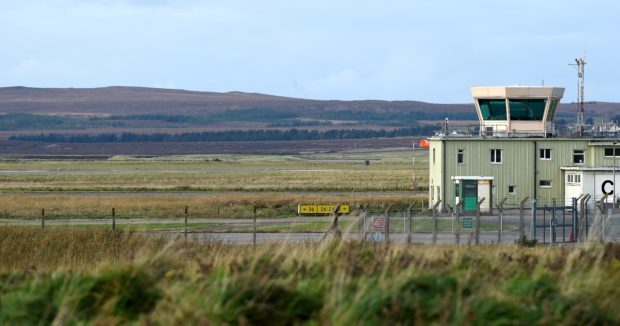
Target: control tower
{"points": [[516, 111]]}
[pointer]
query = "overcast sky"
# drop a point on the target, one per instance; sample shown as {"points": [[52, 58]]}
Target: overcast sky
{"points": [[395, 50]]}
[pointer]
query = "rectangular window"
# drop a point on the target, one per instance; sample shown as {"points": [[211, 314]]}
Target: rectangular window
{"points": [[460, 156], [578, 156], [433, 156], [544, 183], [512, 190], [545, 153], [496, 156], [609, 151]]}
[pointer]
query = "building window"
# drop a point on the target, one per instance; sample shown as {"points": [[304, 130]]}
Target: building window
{"points": [[545, 153], [496, 156], [609, 151], [544, 183], [578, 156], [433, 156], [573, 178], [460, 156], [512, 190]]}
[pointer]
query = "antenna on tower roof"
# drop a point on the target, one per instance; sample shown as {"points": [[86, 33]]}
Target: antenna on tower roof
{"points": [[580, 65]]}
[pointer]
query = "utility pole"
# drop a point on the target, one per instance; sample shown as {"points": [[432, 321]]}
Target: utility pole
{"points": [[580, 66]]}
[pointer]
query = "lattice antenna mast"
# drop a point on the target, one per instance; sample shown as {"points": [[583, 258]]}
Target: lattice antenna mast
{"points": [[580, 66]]}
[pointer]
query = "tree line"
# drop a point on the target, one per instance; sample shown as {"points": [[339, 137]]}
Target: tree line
{"points": [[230, 135]]}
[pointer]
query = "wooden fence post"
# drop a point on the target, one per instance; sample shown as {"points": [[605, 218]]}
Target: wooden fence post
{"points": [[334, 228], [387, 224], [113, 218], [186, 214], [42, 218], [254, 229], [409, 228], [364, 209]]}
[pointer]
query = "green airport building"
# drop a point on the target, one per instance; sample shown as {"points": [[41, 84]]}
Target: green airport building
{"points": [[515, 153]]}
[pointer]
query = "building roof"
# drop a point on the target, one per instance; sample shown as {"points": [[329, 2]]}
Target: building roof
{"points": [[517, 92]]}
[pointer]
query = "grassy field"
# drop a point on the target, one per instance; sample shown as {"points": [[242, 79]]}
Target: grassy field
{"points": [[105, 277], [389, 171], [148, 206]]}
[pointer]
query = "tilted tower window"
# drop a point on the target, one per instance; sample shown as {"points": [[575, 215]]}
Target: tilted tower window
{"points": [[527, 109], [492, 109]]}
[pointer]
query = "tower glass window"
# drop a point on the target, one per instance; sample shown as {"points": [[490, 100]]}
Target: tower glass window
{"points": [[492, 109], [460, 156], [552, 106], [530, 109]]}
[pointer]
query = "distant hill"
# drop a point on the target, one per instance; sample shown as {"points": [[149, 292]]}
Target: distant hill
{"points": [[119, 100], [112, 120]]}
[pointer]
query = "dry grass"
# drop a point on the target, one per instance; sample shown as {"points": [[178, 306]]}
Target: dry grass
{"points": [[168, 205], [115, 277], [224, 173]]}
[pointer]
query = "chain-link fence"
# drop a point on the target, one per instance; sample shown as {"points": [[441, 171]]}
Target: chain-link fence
{"points": [[546, 221]]}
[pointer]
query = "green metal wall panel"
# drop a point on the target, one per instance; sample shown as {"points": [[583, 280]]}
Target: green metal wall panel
{"points": [[519, 159]]}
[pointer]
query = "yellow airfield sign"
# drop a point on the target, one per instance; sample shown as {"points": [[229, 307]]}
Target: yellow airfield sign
{"points": [[321, 209]]}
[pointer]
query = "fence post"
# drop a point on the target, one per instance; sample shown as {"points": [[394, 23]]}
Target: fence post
{"points": [[364, 209], [254, 226], [457, 211], [42, 218], [387, 224], [478, 220], [533, 219], [409, 228], [553, 221], [113, 218], [435, 220], [600, 231], [334, 226], [186, 213], [583, 218], [500, 207], [521, 217]]}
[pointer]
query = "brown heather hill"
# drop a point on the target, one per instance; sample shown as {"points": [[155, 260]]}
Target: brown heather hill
{"points": [[120, 100]]}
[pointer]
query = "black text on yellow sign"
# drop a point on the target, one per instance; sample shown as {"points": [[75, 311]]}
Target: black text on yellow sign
{"points": [[322, 209]]}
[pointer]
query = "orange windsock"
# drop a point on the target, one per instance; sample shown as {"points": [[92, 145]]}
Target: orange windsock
{"points": [[424, 143]]}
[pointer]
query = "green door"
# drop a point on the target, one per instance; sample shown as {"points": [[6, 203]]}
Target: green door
{"points": [[470, 195]]}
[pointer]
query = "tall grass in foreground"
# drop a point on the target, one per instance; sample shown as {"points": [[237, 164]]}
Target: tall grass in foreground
{"points": [[59, 276]]}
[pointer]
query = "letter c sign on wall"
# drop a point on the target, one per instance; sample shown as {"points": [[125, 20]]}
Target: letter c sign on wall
{"points": [[603, 186]]}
